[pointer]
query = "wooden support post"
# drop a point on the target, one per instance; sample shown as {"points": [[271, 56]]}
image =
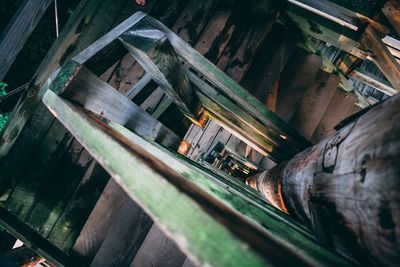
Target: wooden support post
{"points": [[152, 50], [203, 204], [381, 56], [346, 187], [391, 9], [14, 37]]}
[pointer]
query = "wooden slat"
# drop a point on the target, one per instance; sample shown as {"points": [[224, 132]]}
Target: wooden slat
{"points": [[314, 103], [382, 56], [14, 37], [373, 81], [33, 240], [78, 84], [124, 237], [69, 224], [340, 106], [78, 34], [158, 250], [294, 81]]}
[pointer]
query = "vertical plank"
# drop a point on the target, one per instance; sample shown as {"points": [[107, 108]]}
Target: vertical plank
{"points": [[14, 37], [68, 226], [314, 103], [340, 106], [158, 250], [125, 236], [295, 79]]}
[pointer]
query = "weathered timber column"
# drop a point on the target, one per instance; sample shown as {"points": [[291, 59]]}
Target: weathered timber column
{"points": [[347, 187]]}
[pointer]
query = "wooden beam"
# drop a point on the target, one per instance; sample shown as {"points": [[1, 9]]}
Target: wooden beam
{"points": [[382, 56], [341, 174], [391, 9], [90, 21], [229, 87], [151, 48], [21, 26], [373, 81], [76, 83], [201, 206]]}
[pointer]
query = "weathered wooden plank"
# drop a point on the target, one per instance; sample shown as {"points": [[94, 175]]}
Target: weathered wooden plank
{"points": [[373, 81], [33, 240], [314, 103], [68, 226], [266, 68], [14, 37], [78, 84], [331, 11], [76, 35], [99, 222], [38, 172], [55, 194], [391, 9], [340, 106], [158, 250], [125, 236], [341, 174], [382, 56], [151, 49], [137, 186], [294, 81]]}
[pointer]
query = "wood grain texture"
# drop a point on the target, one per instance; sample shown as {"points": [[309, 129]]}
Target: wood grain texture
{"points": [[158, 250], [135, 187], [295, 79], [14, 37], [314, 103], [340, 106], [346, 187], [95, 95], [125, 236], [381, 55]]}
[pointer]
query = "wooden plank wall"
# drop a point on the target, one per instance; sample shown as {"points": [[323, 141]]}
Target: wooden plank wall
{"points": [[239, 37]]}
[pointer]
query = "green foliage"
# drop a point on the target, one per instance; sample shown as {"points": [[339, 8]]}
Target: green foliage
{"points": [[3, 116]]}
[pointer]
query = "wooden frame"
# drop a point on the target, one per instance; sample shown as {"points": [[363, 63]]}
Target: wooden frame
{"points": [[280, 142]]}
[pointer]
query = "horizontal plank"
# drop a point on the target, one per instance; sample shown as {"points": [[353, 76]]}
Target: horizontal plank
{"points": [[373, 81]]}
